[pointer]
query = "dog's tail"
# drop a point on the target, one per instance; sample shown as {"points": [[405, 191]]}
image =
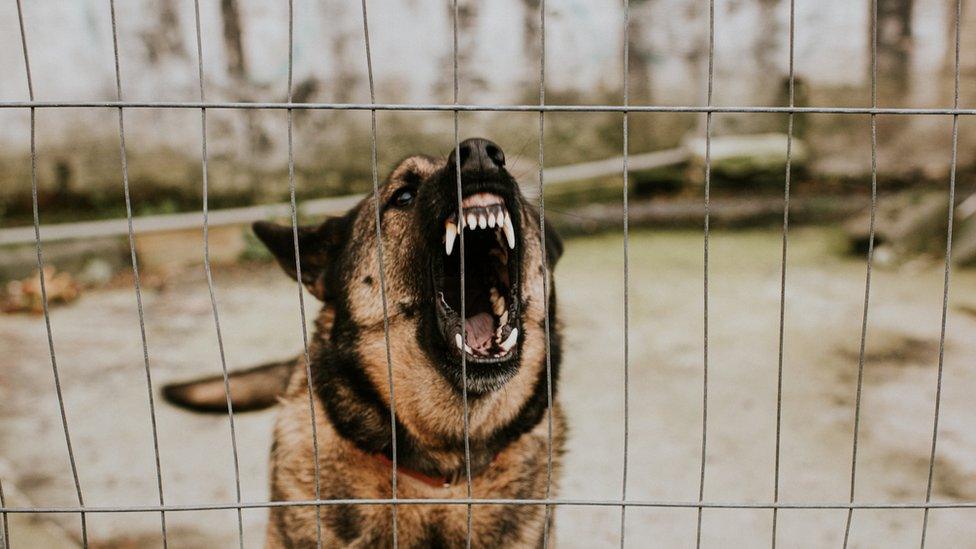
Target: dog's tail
{"points": [[255, 388]]}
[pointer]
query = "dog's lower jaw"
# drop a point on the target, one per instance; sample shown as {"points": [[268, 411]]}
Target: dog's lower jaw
{"points": [[482, 379]]}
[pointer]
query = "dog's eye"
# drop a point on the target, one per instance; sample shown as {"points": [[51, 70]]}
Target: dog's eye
{"points": [[403, 197]]}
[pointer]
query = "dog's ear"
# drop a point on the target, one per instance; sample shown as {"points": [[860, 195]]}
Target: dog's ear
{"points": [[554, 245], [317, 246]]}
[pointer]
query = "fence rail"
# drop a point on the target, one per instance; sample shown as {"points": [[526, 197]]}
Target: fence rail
{"points": [[553, 177]]}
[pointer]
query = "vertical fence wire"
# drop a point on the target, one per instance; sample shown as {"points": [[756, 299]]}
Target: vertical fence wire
{"points": [[43, 285], [546, 534], [298, 276], [4, 529], [708, 182], [379, 260], [135, 274], [945, 284], [546, 526], [782, 279], [870, 264], [460, 200], [626, 220], [209, 273]]}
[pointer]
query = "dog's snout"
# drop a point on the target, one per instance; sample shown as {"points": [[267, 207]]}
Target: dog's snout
{"points": [[478, 155]]}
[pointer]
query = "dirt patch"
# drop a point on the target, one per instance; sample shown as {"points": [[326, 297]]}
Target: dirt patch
{"points": [[892, 349], [950, 481], [968, 310], [190, 538]]}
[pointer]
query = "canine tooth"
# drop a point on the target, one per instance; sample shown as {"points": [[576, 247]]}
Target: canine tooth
{"points": [[468, 349], [450, 233], [503, 320], [458, 342], [510, 342], [472, 221], [509, 232], [491, 219]]}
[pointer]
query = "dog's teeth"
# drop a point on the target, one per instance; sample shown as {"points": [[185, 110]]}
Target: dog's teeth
{"points": [[482, 221], [510, 342], [491, 219], [472, 221], [500, 216], [503, 320], [457, 341], [509, 232], [468, 349], [450, 233], [497, 302]]}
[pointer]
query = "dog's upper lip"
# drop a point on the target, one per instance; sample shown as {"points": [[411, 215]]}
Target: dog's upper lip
{"points": [[482, 199]]}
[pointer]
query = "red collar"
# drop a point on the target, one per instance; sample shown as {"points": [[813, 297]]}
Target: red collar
{"points": [[434, 482]]}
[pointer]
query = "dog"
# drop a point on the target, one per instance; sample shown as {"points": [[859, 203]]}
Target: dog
{"points": [[508, 263]]}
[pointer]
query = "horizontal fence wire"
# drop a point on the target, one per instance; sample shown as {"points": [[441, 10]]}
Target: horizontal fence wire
{"points": [[666, 504], [462, 107], [450, 107]]}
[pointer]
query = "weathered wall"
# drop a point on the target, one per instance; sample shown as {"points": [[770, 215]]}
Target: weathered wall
{"points": [[245, 59]]}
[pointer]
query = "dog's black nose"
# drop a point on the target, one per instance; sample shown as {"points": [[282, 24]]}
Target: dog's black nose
{"points": [[478, 156]]}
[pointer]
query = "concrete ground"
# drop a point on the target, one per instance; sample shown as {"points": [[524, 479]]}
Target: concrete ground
{"points": [[100, 358]]}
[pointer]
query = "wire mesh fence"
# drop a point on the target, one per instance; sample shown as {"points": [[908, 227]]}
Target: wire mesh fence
{"points": [[774, 504]]}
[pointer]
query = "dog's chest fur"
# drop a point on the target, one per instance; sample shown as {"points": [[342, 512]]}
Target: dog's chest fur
{"points": [[517, 472]]}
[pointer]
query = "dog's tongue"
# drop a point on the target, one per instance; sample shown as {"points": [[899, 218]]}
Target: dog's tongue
{"points": [[478, 331]]}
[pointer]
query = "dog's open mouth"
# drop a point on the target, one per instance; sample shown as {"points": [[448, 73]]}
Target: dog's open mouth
{"points": [[491, 274]]}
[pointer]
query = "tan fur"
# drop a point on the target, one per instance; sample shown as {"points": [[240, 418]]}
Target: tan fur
{"points": [[520, 468]]}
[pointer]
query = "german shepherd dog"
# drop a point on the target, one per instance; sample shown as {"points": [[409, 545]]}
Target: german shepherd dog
{"points": [[504, 344]]}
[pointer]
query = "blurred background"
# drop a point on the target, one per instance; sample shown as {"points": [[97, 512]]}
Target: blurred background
{"points": [[245, 59]]}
